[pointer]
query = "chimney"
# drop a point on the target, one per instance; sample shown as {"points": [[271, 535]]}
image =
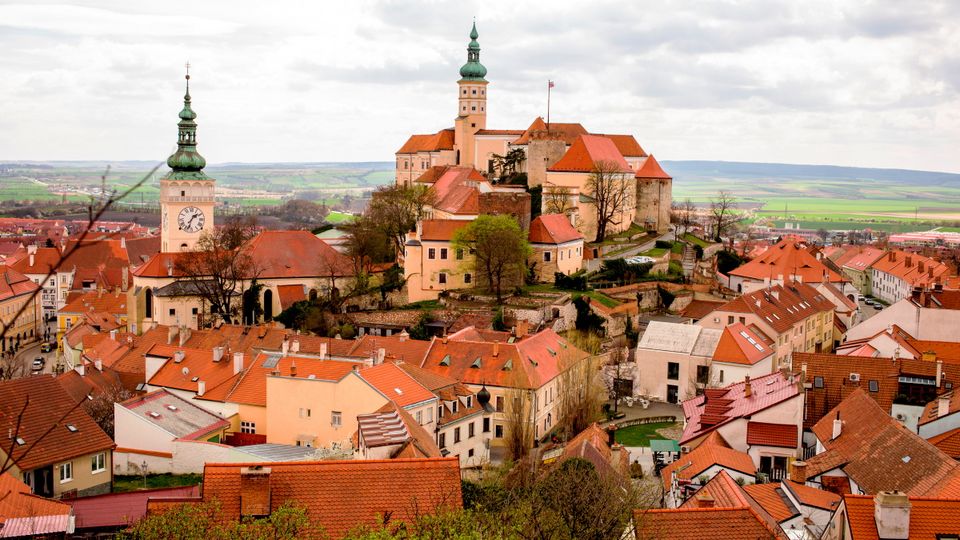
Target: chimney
{"points": [[523, 328], [798, 471], [930, 271], [444, 341], [747, 387], [496, 349], [201, 388], [184, 335], [611, 435], [705, 500], [837, 426], [295, 347], [237, 362], [32, 258], [80, 368], [404, 336], [125, 278], [381, 353], [920, 267], [293, 368], [939, 372], [113, 335], [31, 249], [893, 256], [172, 333], [178, 357], [255, 491], [323, 349], [285, 346], [909, 261], [943, 406], [891, 511], [217, 354]]}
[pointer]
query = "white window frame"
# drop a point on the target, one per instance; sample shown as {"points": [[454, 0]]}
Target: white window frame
{"points": [[248, 427], [98, 463], [336, 419], [66, 472]]}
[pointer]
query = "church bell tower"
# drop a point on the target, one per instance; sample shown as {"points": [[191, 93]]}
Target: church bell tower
{"points": [[471, 103], [186, 192]]}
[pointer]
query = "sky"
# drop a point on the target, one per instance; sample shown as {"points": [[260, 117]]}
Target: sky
{"points": [[861, 83]]}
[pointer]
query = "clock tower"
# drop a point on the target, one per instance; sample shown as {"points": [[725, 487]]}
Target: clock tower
{"points": [[186, 192]]}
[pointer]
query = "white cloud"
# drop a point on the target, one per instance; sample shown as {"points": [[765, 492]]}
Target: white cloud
{"points": [[848, 83]]}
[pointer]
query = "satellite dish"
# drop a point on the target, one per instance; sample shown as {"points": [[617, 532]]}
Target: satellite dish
{"points": [[185, 370]]}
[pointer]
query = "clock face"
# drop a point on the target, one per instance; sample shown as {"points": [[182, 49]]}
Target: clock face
{"points": [[191, 219]]}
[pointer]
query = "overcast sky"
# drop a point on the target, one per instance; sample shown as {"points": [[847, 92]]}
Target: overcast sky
{"points": [[861, 83]]}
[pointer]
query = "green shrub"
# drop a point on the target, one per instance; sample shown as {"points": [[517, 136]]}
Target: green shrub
{"points": [[574, 282], [664, 244]]}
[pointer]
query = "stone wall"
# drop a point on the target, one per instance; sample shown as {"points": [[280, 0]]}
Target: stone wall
{"points": [[541, 154], [654, 198], [516, 204]]}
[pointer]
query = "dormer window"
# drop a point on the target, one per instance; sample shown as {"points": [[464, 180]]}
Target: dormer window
{"points": [[476, 363], [469, 401], [453, 406]]}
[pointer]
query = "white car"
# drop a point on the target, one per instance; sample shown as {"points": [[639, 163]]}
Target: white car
{"points": [[640, 259]]}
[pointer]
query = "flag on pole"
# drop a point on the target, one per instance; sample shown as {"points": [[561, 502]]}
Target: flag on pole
{"points": [[550, 84]]}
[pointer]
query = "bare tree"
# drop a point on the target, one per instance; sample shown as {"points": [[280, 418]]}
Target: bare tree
{"points": [[579, 390], [367, 244], [518, 413], [11, 367], [219, 266], [616, 367], [610, 188], [396, 210], [723, 208], [499, 248], [557, 200], [100, 405], [683, 214]]}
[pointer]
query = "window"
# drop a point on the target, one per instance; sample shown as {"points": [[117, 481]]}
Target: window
{"points": [[818, 382], [459, 254], [546, 256], [469, 401], [98, 463], [499, 403], [470, 453], [743, 320], [173, 312], [248, 427], [419, 417], [432, 253], [730, 319], [66, 472], [443, 253], [336, 420], [194, 311], [673, 371], [442, 277], [721, 375], [474, 91], [456, 435], [443, 440], [486, 425], [470, 431], [467, 278], [874, 386], [304, 413], [498, 431], [703, 373]]}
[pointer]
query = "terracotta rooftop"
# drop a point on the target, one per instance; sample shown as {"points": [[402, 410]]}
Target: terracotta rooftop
{"points": [[396, 348], [948, 442], [552, 229], [915, 269], [930, 519], [393, 426], [45, 405], [651, 169], [441, 140], [23, 514], [714, 450], [742, 523], [13, 284], [396, 384], [626, 144], [591, 445], [112, 302], [788, 258], [698, 309], [564, 131], [742, 344], [781, 306], [724, 491], [45, 260], [877, 452], [718, 406], [122, 509], [457, 191], [932, 411], [291, 294], [440, 229], [860, 258], [771, 498], [587, 152], [296, 254], [341, 495], [767, 434]]}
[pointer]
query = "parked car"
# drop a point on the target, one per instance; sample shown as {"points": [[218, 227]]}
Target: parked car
{"points": [[46, 347], [38, 363]]}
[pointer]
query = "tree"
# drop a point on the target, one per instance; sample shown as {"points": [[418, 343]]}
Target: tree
{"points": [[367, 243], [219, 266], [396, 210], [823, 234], [616, 364], [580, 392], [557, 200], [11, 366], [499, 249], [202, 521], [723, 209], [100, 406], [518, 416], [609, 187], [508, 164], [683, 215], [303, 213]]}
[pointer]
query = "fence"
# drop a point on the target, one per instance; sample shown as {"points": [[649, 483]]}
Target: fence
{"points": [[642, 421]]}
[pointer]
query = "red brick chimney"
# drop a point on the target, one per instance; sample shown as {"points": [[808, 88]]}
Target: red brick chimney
{"points": [[705, 500], [798, 471], [255, 491], [747, 387]]}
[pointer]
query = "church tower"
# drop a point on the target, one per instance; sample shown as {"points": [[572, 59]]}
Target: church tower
{"points": [[472, 102], [186, 193]]}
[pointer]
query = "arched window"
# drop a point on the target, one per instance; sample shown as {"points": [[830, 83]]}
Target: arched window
{"points": [[148, 304], [313, 295], [267, 305]]}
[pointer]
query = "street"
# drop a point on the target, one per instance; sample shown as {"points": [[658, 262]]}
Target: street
{"points": [[29, 352]]}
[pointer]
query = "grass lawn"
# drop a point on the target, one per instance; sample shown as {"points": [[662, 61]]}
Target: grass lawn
{"points": [[695, 240], [135, 483], [677, 248], [599, 297], [335, 217], [642, 434], [654, 252]]}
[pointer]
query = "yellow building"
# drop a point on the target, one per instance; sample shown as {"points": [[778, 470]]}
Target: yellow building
{"points": [[20, 313], [431, 263]]}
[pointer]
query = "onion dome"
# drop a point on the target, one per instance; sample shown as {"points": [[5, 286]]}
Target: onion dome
{"points": [[473, 70], [186, 162], [483, 396]]}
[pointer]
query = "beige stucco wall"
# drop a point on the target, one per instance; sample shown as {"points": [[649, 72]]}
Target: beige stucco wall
{"points": [[566, 258], [586, 219], [801, 337], [651, 380], [423, 273], [286, 396], [486, 146], [542, 154]]}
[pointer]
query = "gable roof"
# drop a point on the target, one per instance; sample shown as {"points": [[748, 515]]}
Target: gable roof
{"points": [[441, 140], [742, 523], [680, 338], [45, 261], [930, 519], [788, 258], [440, 229], [913, 268], [948, 442], [114, 303], [552, 229], [767, 434], [23, 514], [44, 403], [341, 495], [393, 426], [566, 132], [293, 254], [626, 144], [698, 309], [651, 169], [781, 306], [457, 192], [591, 445], [396, 384], [13, 284], [714, 450], [861, 258], [742, 344], [877, 452], [771, 498], [587, 153]]}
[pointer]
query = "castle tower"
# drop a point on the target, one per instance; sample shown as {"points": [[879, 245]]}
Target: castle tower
{"points": [[186, 193], [472, 102]]}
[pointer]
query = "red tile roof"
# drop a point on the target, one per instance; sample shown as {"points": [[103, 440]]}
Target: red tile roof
{"points": [[740, 344], [296, 254], [342, 495], [591, 445], [651, 169], [930, 519], [697, 523], [291, 294], [500, 132], [770, 498], [781, 306], [811, 496], [861, 258], [626, 144], [440, 229], [947, 351], [441, 140], [564, 131], [44, 403], [196, 364], [395, 347], [122, 509], [23, 514], [948, 442], [553, 229], [114, 303], [724, 490], [766, 434], [456, 190], [913, 268], [13, 284], [877, 452], [718, 406], [932, 411], [712, 451], [160, 265], [788, 258], [396, 384], [587, 152], [45, 260], [698, 309]]}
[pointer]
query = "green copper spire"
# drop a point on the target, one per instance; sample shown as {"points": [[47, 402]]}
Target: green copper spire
{"points": [[473, 70], [186, 163]]}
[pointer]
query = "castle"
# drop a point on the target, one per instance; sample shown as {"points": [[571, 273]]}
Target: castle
{"points": [[558, 158]]}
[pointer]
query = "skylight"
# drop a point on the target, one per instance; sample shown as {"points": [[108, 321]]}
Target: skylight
{"points": [[445, 361], [398, 391], [20, 441], [476, 363], [72, 428], [154, 414], [508, 365], [172, 407]]}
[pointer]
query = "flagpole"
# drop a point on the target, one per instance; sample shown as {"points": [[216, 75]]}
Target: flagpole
{"points": [[549, 86]]}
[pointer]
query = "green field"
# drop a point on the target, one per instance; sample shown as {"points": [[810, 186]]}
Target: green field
{"points": [[642, 434], [335, 217], [153, 481]]}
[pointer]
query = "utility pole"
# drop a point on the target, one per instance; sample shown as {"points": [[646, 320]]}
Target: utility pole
{"points": [[549, 87]]}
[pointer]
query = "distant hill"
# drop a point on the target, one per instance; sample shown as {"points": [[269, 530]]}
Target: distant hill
{"points": [[699, 170]]}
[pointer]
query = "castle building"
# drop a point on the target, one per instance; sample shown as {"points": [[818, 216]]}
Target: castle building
{"points": [[558, 158]]}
